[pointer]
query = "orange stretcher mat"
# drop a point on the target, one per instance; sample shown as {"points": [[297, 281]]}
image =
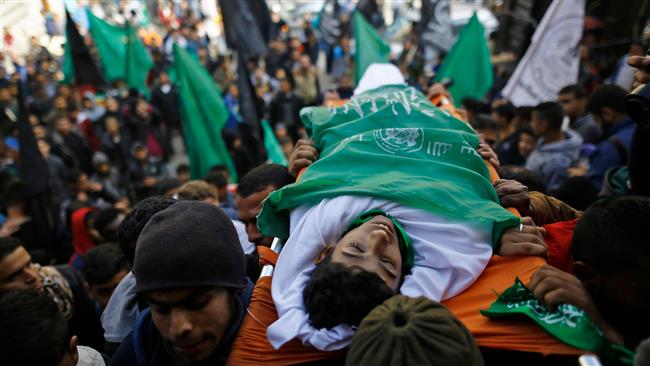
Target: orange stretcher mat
{"points": [[252, 347]]}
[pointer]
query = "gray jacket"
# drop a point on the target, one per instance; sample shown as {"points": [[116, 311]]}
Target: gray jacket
{"points": [[551, 161]]}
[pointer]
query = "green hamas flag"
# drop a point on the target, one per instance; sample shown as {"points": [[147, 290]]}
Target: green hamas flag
{"points": [[392, 143], [567, 323], [272, 146], [370, 48], [468, 64], [123, 55], [203, 114]]}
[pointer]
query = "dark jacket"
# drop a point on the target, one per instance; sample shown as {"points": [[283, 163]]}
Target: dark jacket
{"points": [[144, 346], [167, 106], [613, 150]]}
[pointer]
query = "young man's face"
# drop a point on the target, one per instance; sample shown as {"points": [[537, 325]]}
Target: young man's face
{"points": [[191, 320], [18, 273], [247, 209], [526, 144], [537, 125], [572, 106], [102, 293], [373, 247]]}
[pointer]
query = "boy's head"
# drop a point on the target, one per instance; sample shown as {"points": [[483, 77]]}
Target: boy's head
{"points": [[219, 181], [503, 114], [607, 104], [573, 99], [106, 266], [198, 190], [364, 268], [527, 142], [16, 269], [34, 332], [191, 288], [107, 222], [611, 252], [547, 117], [183, 173], [133, 223]]}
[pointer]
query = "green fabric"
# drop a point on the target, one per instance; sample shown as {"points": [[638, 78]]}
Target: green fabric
{"points": [[203, 114], [272, 146], [68, 65], [567, 323], [468, 64], [403, 238], [392, 143], [370, 48], [122, 53]]}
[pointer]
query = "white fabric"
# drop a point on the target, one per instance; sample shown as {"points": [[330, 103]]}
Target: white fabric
{"points": [[449, 256], [552, 60], [89, 357], [377, 75], [246, 245]]}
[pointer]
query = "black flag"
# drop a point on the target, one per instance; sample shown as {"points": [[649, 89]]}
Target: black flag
{"points": [[247, 26], [85, 70]]}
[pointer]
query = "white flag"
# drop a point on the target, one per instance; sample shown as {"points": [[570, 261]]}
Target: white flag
{"points": [[552, 59]]}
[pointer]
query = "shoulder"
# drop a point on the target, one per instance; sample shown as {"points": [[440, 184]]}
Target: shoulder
{"points": [[125, 353]]}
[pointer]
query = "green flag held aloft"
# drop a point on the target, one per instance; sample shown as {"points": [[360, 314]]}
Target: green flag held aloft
{"points": [[203, 114], [468, 64], [370, 48], [272, 146], [123, 55]]}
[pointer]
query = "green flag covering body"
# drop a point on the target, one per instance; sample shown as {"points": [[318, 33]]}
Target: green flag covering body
{"points": [[123, 55], [203, 114], [468, 64], [272, 146], [392, 143], [370, 48]]}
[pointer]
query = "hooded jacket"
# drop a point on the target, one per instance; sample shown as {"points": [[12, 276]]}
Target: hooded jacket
{"points": [[144, 346], [552, 160]]}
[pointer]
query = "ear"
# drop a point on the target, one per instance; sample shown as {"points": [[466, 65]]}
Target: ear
{"points": [[73, 349], [328, 249], [584, 273]]}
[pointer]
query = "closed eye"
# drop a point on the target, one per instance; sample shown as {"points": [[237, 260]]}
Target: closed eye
{"points": [[357, 247]]}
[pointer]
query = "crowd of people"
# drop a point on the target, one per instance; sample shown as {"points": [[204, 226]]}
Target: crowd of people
{"points": [[111, 254]]}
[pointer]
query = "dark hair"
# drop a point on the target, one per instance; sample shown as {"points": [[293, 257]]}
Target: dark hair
{"points": [[15, 192], [610, 96], [33, 330], [506, 110], [134, 222], [168, 184], [218, 168], [577, 192], [578, 91], [484, 122], [336, 294], [474, 105], [216, 179], [103, 220], [525, 130], [263, 176], [524, 113], [8, 245], [530, 179], [103, 262], [550, 112], [611, 235], [182, 168]]}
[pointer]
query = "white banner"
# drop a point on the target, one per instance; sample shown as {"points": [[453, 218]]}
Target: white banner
{"points": [[552, 59]]}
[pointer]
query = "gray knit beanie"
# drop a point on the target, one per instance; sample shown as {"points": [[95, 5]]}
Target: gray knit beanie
{"points": [[189, 244], [412, 331]]}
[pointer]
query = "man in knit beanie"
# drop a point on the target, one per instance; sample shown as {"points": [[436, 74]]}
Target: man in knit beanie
{"points": [[190, 268], [412, 331]]}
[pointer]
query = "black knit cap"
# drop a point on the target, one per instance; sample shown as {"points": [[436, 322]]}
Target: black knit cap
{"points": [[189, 244]]}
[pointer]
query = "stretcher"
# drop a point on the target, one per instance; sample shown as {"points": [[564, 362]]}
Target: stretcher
{"points": [[252, 347]]}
